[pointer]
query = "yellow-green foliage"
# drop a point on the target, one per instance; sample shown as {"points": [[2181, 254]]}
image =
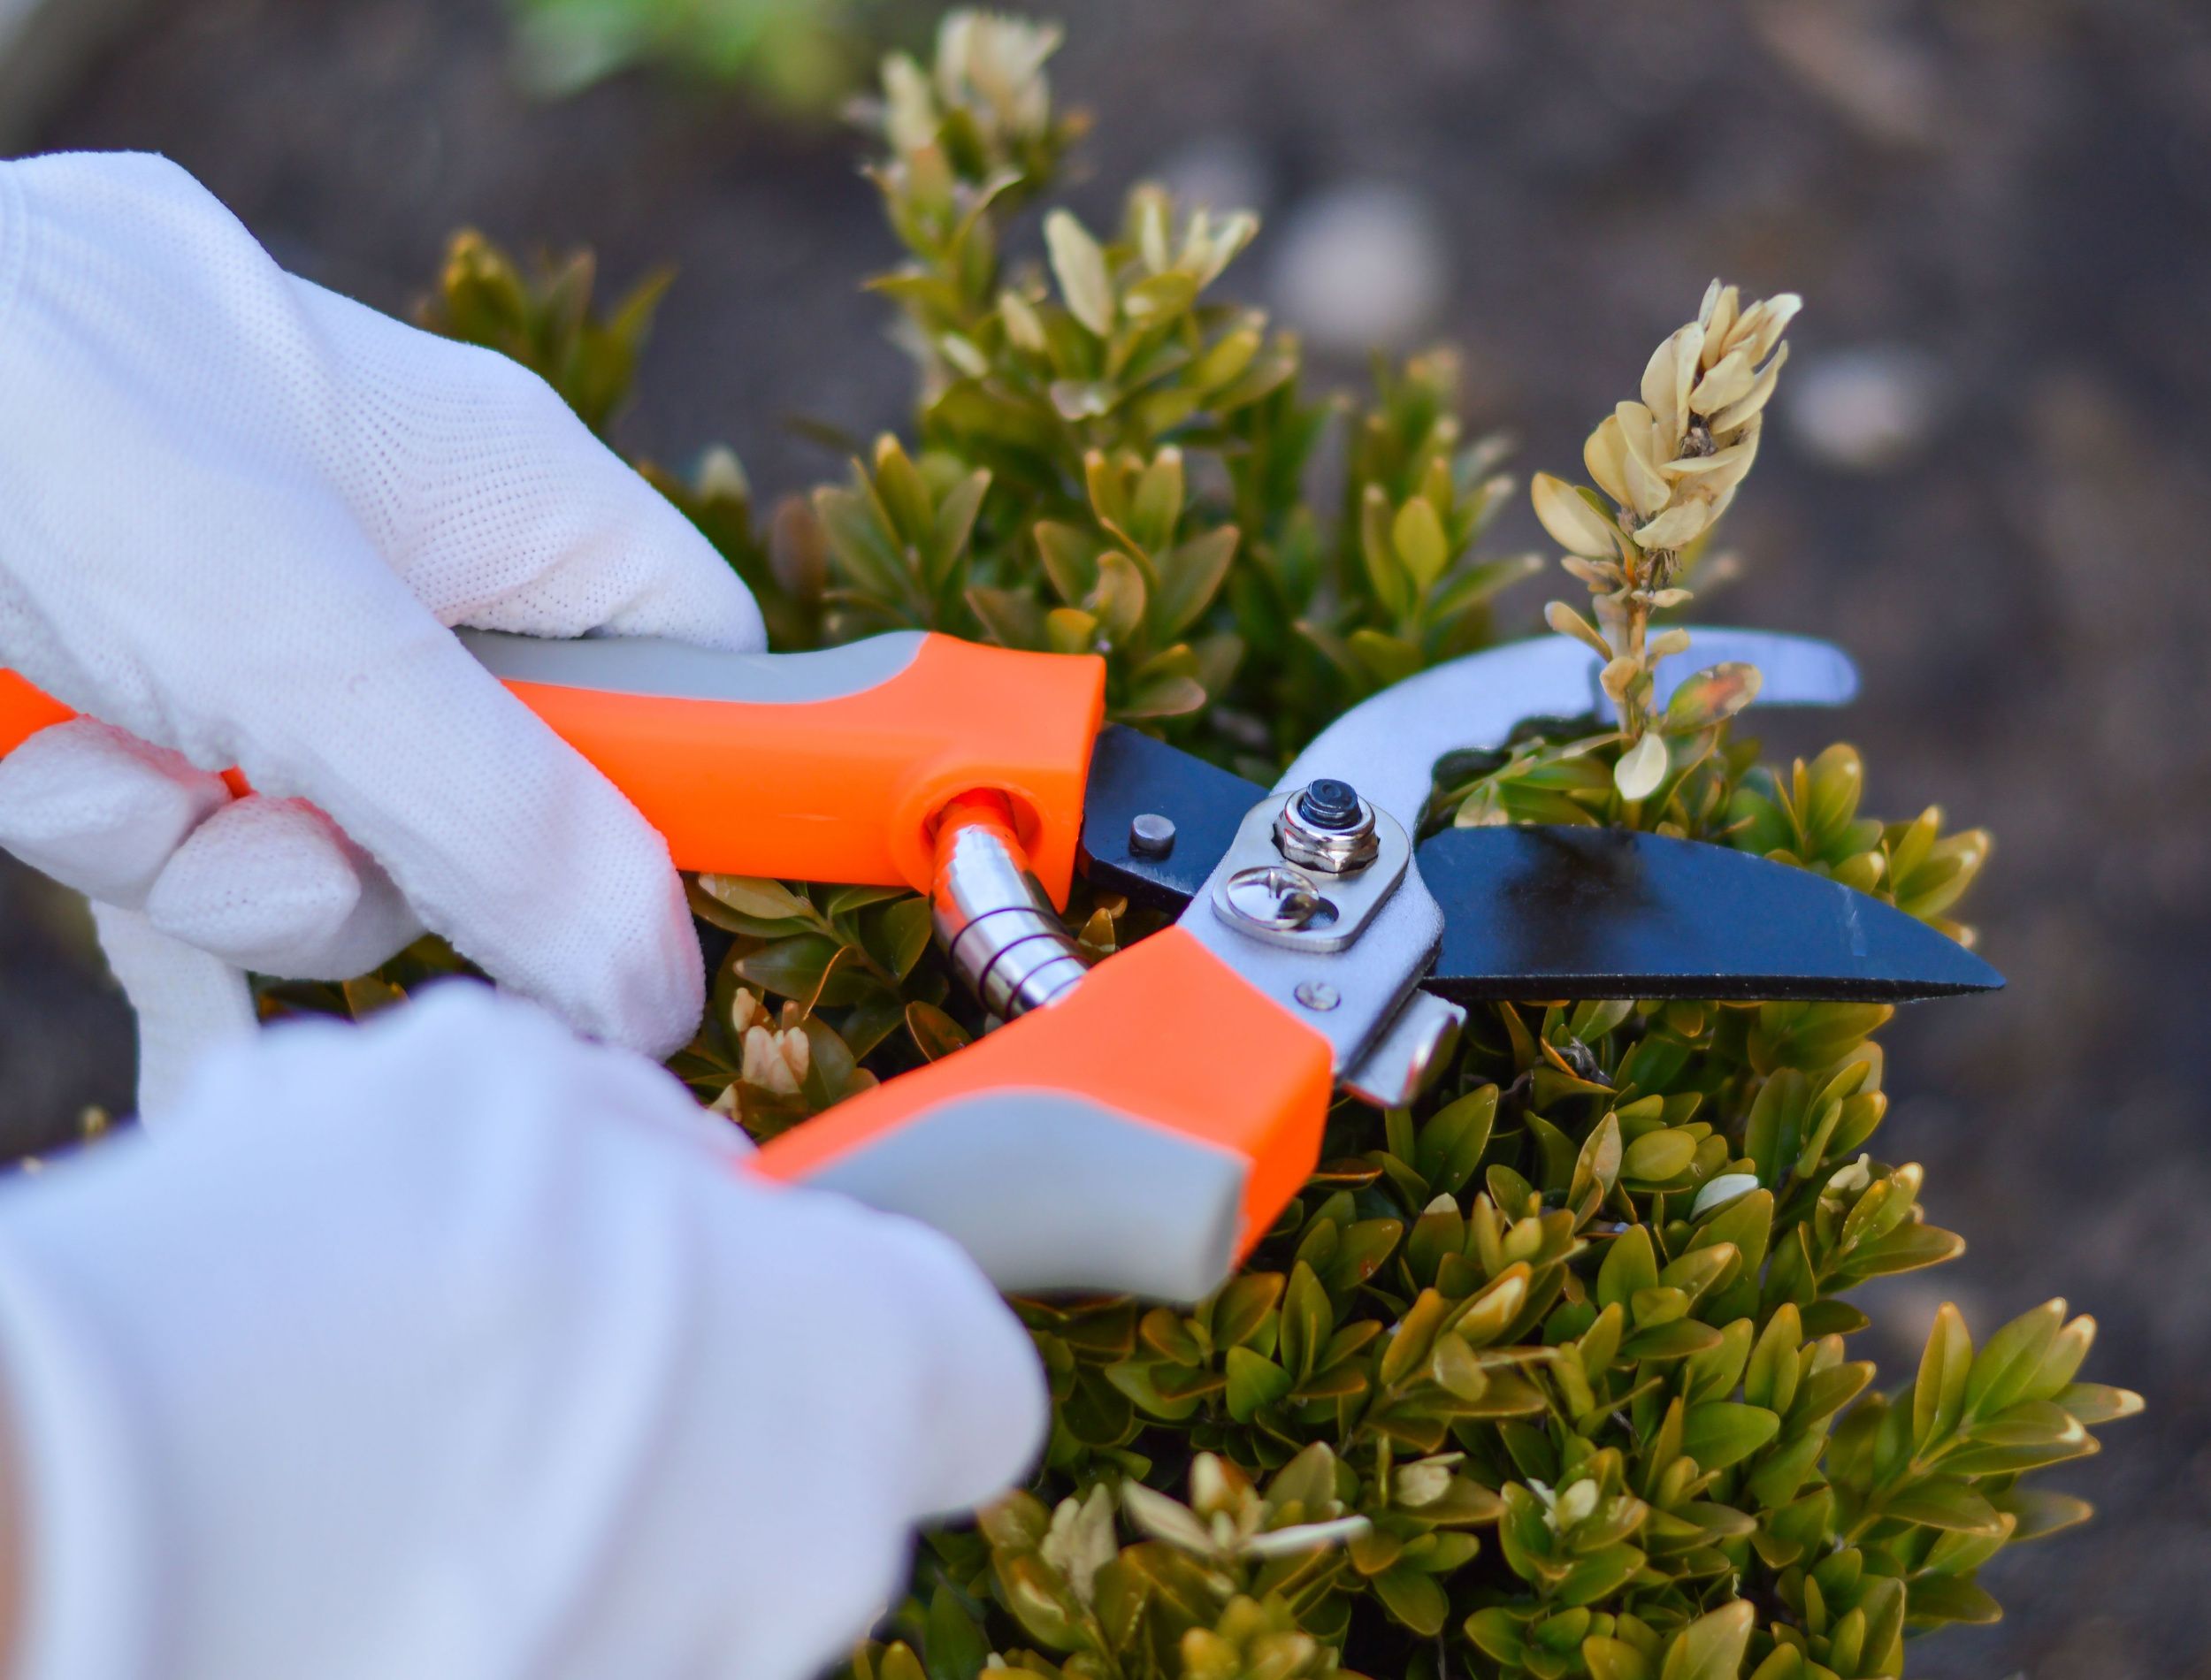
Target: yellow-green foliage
{"points": [[1551, 1375]]}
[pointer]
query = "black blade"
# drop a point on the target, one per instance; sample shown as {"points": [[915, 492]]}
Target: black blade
{"points": [[1562, 913], [1134, 775]]}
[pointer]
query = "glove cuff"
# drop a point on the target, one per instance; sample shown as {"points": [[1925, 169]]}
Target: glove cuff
{"points": [[86, 1566]]}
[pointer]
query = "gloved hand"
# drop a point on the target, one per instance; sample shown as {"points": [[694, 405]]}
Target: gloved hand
{"points": [[237, 515], [452, 1348]]}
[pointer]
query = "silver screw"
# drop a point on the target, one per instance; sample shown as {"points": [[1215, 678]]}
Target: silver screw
{"points": [[1317, 993], [1151, 835]]}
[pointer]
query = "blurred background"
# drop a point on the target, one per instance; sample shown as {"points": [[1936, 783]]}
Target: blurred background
{"points": [[1987, 477]]}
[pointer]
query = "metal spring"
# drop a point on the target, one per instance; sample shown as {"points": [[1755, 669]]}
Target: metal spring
{"points": [[993, 918]]}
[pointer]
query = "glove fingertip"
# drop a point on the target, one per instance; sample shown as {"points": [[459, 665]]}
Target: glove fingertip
{"points": [[100, 811], [981, 1406], [693, 594], [263, 882]]}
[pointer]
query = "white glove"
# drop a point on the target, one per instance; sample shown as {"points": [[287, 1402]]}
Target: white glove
{"points": [[237, 515], [452, 1348]]}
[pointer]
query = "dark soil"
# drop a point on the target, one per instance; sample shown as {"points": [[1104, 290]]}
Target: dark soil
{"points": [[2017, 190]]}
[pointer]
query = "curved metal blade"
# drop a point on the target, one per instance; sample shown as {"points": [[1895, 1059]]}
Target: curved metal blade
{"points": [[1552, 913], [1386, 746]]}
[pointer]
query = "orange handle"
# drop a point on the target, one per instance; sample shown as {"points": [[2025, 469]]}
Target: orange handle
{"points": [[1139, 1134], [820, 766], [24, 712]]}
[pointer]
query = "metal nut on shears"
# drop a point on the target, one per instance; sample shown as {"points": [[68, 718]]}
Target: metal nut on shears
{"points": [[1328, 827]]}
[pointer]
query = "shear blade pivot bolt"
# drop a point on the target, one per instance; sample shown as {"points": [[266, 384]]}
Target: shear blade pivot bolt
{"points": [[1329, 803], [1328, 828]]}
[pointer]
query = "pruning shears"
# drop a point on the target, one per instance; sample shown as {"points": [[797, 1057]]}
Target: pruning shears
{"points": [[1137, 1124]]}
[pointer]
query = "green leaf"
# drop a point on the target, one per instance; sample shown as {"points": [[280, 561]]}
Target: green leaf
{"points": [[1414, 1337], [1070, 558], [1385, 574], [2035, 1512], [1610, 1658], [1241, 1308], [1770, 1379], [1599, 1574], [1629, 1266], [1746, 1223], [955, 520], [1825, 1392], [1422, 546], [791, 968], [1939, 1392], [842, 901], [906, 929], [1450, 1146], [905, 497], [1141, 1384], [1164, 697], [1496, 1633], [1712, 1647], [1936, 1599], [1944, 1503], [1723, 1433], [1657, 1157], [899, 1662], [1387, 659], [1190, 577], [1307, 1320], [936, 1034], [1713, 1375], [1596, 1166], [1308, 1480], [1906, 1248], [1676, 1340], [2095, 1403], [1040, 1601], [756, 896], [1254, 1382], [954, 1640], [863, 549], [1456, 1369], [1414, 1599], [2004, 1368], [1009, 618], [1069, 630], [2034, 1431], [1157, 505], [1121, 597]]}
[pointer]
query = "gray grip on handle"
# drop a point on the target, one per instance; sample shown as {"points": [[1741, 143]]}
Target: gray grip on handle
{"points": [[678, 670], [1049, 1191]]}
